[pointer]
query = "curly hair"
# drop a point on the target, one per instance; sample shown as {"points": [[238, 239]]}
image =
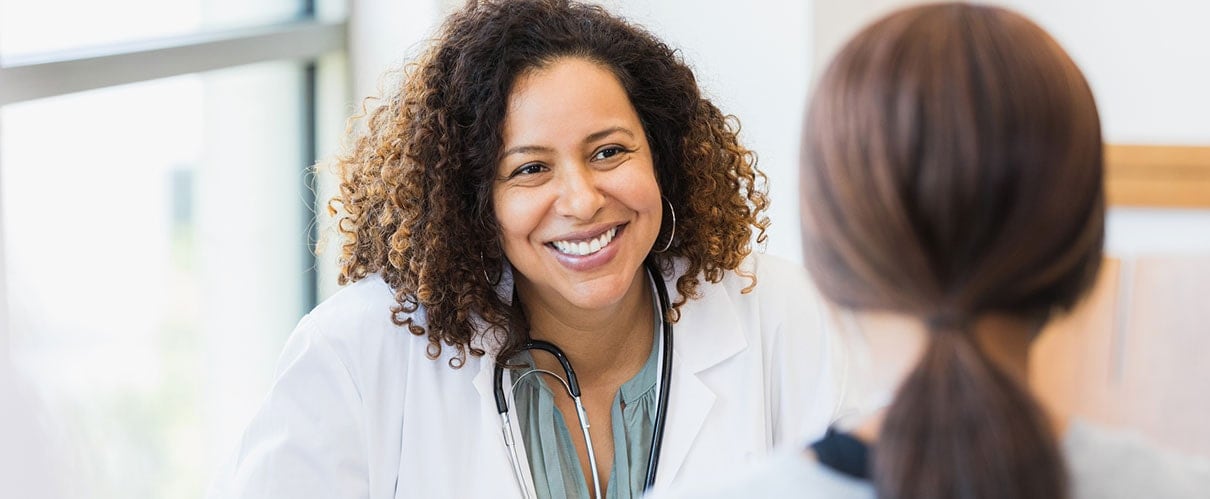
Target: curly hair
{"points": [[416, 180]]}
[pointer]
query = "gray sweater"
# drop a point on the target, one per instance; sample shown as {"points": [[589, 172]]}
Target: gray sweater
{"points": [[1103, 464]]}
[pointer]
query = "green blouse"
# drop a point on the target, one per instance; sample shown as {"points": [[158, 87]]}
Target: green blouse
{"points": [[548, 444]]}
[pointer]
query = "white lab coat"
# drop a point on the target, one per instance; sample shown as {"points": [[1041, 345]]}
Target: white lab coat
{"points": [[358, 411]]}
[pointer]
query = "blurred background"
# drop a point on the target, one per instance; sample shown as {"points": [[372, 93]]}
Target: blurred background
{"points": [[159, 236]]}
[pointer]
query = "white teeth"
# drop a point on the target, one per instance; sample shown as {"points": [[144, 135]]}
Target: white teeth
{"points": [[588, 247]]}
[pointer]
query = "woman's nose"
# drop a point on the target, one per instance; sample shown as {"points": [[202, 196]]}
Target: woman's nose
{"points": [[579, 197]]}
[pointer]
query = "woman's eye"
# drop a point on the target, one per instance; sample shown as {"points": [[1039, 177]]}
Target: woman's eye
{"points": [[609, 152], [529, 169]]}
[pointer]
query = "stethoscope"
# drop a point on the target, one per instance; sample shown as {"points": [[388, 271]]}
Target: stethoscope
{"points": [[573, 389]]}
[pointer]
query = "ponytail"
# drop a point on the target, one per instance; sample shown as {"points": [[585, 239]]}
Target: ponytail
{"points": [[953, 158], [963, 428]]}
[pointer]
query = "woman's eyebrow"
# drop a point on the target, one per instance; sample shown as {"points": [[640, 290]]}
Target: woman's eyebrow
{"points": [[592, 137], [595, 136], [525, 150]]}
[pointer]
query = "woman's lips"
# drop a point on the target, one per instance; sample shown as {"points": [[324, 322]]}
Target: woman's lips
{"points": [[580, 255]]}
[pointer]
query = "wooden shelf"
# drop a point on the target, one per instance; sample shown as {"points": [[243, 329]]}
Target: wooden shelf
{"points": [[1160, 176]]}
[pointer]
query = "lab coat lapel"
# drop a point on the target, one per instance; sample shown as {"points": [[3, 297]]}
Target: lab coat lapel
{"points": [[484, 382], [483, 379], [502, 467], [707, 334]]}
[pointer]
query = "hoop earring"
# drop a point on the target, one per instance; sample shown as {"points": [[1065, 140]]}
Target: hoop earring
{"points": [[672, 233], [483, 265]]}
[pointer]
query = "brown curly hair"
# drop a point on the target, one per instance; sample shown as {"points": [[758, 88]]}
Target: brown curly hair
{"points": [[416, 180]]}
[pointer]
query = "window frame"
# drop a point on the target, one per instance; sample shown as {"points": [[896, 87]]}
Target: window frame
{"points": [[305, 39]]}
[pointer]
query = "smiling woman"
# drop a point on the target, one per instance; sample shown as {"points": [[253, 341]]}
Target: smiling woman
{"points": [[542, 176]]}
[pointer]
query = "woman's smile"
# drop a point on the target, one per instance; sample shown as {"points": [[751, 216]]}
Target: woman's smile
{"points": [[583, 255], [585, 246]]}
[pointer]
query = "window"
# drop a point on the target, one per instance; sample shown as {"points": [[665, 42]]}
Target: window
{"points": [[156, 220], [38, 27]]}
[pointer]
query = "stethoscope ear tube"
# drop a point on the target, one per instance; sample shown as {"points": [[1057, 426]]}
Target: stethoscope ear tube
{"points": [[573, 386], [498, 389], [661, 412], [513, 458]]}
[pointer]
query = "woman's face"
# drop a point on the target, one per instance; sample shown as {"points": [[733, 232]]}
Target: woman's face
{"points": [[575, 195]]}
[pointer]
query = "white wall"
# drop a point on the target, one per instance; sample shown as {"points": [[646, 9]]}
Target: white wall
{"points": [[382, 35]]}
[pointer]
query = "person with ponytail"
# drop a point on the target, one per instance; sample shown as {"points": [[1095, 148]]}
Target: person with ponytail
{"points": [[952, 201]]}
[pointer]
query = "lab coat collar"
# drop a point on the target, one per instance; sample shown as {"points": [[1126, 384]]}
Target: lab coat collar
{"points": [[709, 330], [708, 333]]}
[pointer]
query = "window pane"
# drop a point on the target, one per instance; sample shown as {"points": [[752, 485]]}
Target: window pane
{"points": [[156, 261], [46, 25]]}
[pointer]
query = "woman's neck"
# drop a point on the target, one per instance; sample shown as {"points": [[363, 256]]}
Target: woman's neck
{"points": [[888, 346], [605, 346]]}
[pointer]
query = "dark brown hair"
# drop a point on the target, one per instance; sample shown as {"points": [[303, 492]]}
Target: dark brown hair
{"points": [[951, 169], [416, 184]]}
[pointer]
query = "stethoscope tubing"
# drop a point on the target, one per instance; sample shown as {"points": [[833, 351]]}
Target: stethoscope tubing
{"points": [[661, 413], [573, 388]]}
